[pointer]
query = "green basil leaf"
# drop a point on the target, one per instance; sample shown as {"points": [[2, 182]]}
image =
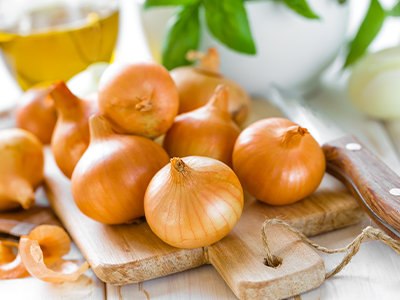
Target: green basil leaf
{"points": [[227, 21], [395, 11], [302, 8], [152, 3], [182, 35], [368, 30]]}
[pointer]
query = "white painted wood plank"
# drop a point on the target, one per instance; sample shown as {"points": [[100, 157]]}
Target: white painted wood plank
{"points": [[393, 128], [373, 273], [202, 283]]}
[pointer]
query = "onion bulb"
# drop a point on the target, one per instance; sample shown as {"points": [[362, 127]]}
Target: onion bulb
{"points": [[277, 161], [207, 131], [36, 113], [374, 87], [193, 202], [110, 180], [71, 135], [41, 254], [139, 99], [196, 86], [21, 168]]}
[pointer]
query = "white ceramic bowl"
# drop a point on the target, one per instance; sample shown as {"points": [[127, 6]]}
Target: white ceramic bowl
{"points": [[292, 51]]}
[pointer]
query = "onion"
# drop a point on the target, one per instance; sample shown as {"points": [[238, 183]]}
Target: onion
{"points": [[139, 99], [196, 86], [41, 254], [278, 162], [374, 84], [87, 81], [71, 135], [21, 168], [193, 202], [207, 131], [110, 180], [36, 113]]}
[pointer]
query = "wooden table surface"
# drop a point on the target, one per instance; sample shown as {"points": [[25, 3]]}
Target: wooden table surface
{"points": [[373, 273]]}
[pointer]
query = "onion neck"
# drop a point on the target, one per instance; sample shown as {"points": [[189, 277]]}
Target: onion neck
{"points": [[19, 190], [208, 62], [66, 103], [178, 166], [144, 105], [292, 136], [220, 98], [99, 128]]}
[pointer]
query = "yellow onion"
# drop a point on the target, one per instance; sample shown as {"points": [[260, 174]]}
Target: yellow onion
{"points": [[278, 162], [21, 168], [193, 202], [139, 99], [71, 136], [196, 86], [207, 131], [36, 113], [110, 180]]}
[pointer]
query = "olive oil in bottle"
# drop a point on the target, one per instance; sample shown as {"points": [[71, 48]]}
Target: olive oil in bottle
{"points": [[57, 42]]}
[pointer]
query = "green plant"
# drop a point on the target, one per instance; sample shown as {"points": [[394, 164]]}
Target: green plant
{"points": [[226, 20], [369, 29]]}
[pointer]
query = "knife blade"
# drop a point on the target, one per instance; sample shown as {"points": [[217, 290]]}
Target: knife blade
{"points": [[375, 186]]}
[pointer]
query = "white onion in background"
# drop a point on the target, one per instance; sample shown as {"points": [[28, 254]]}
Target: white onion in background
{"points": [[374, 86], [86, 82]]}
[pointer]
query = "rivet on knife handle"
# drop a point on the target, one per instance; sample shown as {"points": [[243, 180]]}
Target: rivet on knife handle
{"points": [[369, 179]]}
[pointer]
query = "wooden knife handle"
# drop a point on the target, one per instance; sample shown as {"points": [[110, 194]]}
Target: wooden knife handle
{"points": [[368, 178]]}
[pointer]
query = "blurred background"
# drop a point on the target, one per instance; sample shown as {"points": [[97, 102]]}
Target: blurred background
{"points": [[46, 40]]}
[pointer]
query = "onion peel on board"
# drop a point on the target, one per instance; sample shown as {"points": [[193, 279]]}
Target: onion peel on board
{"points": [[41, 254], [11, 265]]}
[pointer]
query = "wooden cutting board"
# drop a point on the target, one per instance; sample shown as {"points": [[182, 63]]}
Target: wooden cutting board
{"points": [[125, 254]]}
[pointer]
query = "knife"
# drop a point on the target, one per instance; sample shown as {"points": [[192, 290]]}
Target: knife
{"points": [[375, 186]]}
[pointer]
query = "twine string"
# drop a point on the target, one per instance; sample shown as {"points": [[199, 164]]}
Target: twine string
{"points": [[352, 248]]}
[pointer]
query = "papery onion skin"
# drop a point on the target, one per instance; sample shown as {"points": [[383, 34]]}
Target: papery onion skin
{"points": [[193, 202], [36, 113], [278, 162], [139, 99], [54, 240], [196, 86], [109, 182], [21, 168], [11, 265], [207, 131], [41, 254], [71, 136]]}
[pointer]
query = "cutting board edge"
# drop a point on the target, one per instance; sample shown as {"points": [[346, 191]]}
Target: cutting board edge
{"points": [[245, 288], [132, 280], [358, 214], [275, 287], [188, 259]]}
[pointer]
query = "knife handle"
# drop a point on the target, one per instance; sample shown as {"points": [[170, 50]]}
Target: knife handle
{"points": [[372, 182]]}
